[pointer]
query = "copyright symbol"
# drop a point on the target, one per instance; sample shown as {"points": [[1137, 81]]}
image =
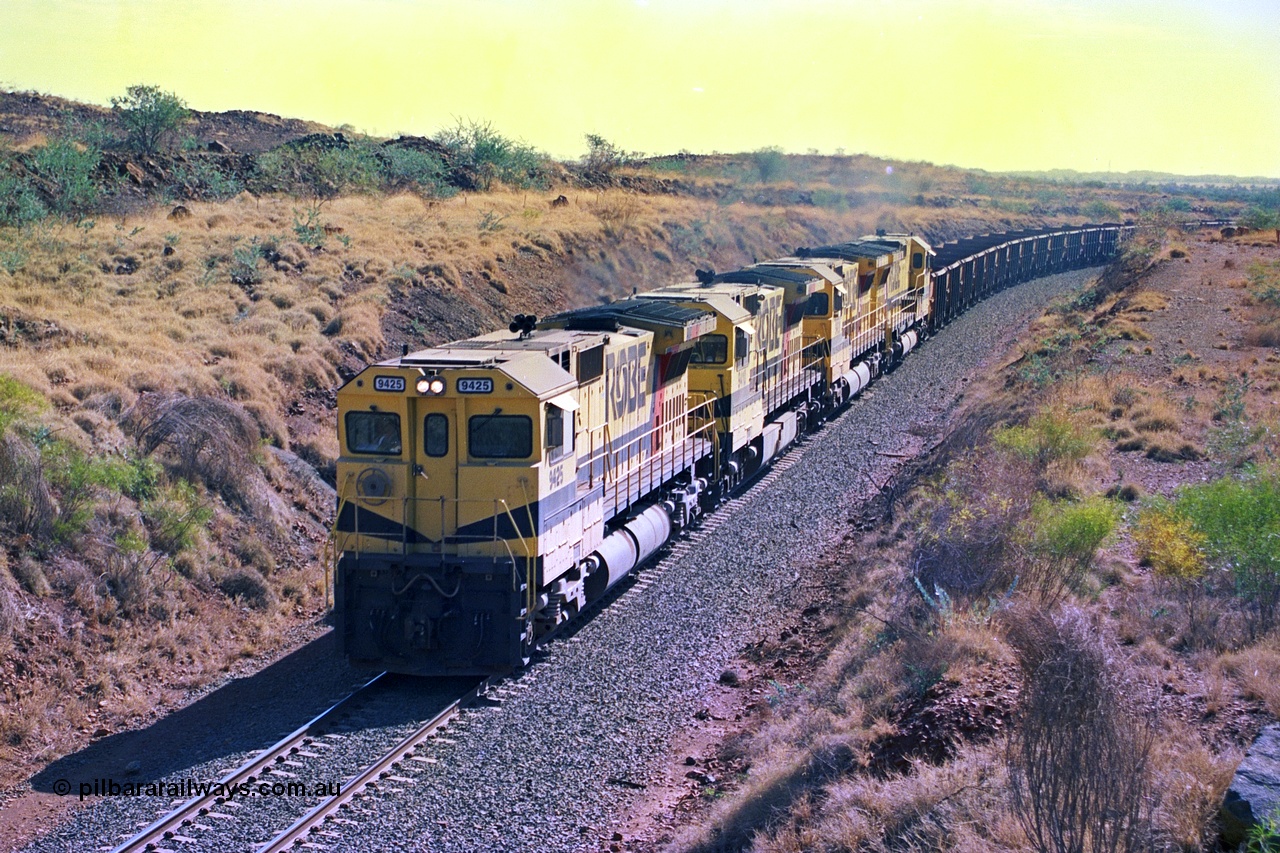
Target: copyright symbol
{"points": [[62, 787]]}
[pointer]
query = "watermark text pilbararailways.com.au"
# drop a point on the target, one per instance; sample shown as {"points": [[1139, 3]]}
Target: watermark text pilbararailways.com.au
{"points": [[188, 788]]}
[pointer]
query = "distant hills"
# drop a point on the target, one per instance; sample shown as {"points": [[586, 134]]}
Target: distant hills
{"points": [[1071, 176]]}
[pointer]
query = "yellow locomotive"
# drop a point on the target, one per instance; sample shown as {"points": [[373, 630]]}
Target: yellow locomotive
{"points": [[491, 488]]}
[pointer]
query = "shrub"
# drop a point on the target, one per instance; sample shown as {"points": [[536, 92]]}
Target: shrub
{"points": [[78, 478], [1240, 522], [410, 168], [603, 157], [27, 507], [322, 169], [1066, 537], [175, 517], [205, 439], [971, 538], [68, 167], [478, 149], [1079, 756], [204, 178], [1049, 439], [20, 204], [1262, 219], [769, 163], [244, 265], [248, 587], [308, 227], [16, 400], [148, 115], [1169, 544], [129, 572]]}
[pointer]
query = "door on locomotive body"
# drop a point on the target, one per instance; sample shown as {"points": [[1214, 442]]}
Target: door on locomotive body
{"points": [[434, 432], [374, 472]]}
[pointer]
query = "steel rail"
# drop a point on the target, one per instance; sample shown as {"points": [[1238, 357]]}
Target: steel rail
{"points": [[311, 823], [168, 827]]}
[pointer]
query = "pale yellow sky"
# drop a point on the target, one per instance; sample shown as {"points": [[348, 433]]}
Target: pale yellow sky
{"points": [[1173, 85]]}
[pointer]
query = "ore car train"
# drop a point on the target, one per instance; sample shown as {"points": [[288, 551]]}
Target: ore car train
{"points": [[491, 489]]}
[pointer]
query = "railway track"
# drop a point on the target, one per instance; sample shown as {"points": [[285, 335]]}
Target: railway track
{"points": [[200, 821], [311, 826]]}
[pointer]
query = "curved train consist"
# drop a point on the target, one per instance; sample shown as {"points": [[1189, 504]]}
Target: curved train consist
{"points": [[490, 489]]}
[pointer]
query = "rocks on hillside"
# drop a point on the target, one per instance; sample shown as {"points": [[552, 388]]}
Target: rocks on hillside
{"points": [[1255, 791]]}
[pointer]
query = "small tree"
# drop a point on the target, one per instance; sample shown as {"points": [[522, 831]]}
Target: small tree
{"points": [[603, 156], [769, 163], [1262, 219], [149, 114]]}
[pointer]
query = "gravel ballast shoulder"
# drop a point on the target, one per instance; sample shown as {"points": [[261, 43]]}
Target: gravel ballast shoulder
{"points": [[555, 760]]}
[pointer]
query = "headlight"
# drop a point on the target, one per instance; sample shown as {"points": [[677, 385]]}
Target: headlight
{"points": [[433, 385]]}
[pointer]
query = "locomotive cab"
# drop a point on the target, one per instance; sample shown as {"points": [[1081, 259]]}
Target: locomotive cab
{"points": [[458, 491]]}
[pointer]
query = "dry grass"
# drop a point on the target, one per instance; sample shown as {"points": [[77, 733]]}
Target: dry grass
{"points": [[1256, 670]]}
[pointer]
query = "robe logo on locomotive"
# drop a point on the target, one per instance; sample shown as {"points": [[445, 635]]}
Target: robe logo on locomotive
{"points": [[629, 379]]}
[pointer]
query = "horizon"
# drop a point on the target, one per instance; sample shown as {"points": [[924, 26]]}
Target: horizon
{"points": [[1112, 88]]}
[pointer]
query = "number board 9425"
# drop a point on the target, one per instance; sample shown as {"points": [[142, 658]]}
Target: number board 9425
{"points": [[475, 386], [388, 383]]}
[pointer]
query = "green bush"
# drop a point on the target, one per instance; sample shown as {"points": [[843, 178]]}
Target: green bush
{"points": [[78, 480], [148, 115], [478, 147], [321, 170], [603, 157], [1239, 519], [308, 227], [206, 179], [411, 168], [68, 167], [1101, 211], [244, 265], [1066, 536], [20, 204], [769, 163], [1049, 439], [1262, 219], [175, 517], [16, 400]]}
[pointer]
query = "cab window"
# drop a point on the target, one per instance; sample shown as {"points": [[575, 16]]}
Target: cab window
{"points": [[435, 434], [373, 432], [500, 436], [711, 349], [559, 431], [917, 260], [818, 304]]}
